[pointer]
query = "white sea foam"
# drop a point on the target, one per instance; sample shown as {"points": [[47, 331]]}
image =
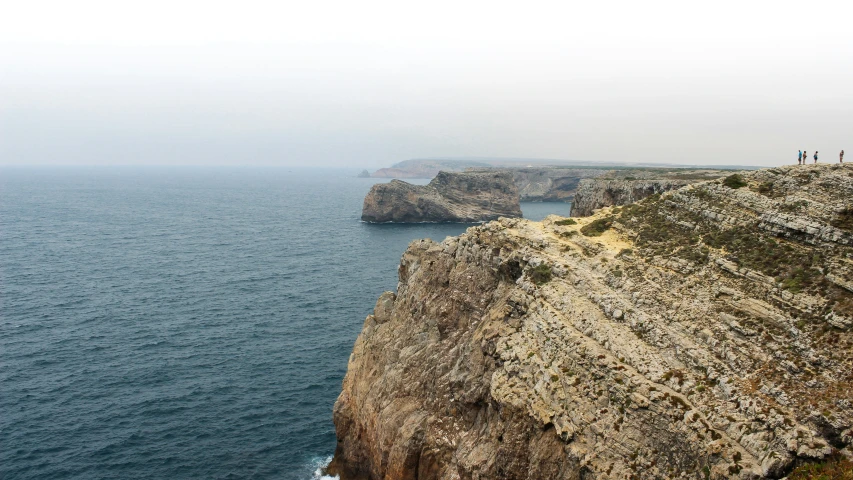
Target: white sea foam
{"points": [[318, 465]]}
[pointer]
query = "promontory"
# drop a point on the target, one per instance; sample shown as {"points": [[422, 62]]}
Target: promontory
{"points": [[449, 197], [705, 332]]}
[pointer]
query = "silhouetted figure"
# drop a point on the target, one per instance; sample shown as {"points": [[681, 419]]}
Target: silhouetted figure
{"points": [[800, 158], [815, 156], [841, 157], [805, 156]]}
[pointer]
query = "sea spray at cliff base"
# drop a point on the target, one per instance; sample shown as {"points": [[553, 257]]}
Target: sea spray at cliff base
{"points": [[318, 465]]}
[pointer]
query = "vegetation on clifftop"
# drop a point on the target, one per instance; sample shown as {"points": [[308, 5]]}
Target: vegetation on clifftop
{"points": [[836, 468], [597, 227], [566, 221], [665, 229], [540, 274], [734, 181]]}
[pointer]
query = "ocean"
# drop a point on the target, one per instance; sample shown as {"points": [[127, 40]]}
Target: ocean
{"points": [[184, 322]]}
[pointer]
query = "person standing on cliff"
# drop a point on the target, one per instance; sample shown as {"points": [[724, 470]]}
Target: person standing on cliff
{"points": [[841, 157], [800, 158], [815, 156], [805, 156]]}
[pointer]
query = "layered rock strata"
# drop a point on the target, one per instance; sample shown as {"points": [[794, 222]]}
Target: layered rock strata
{"points": [[551, 184], [594, 194], [449, 197], [620, 187], [703, 333], [535, 184]]}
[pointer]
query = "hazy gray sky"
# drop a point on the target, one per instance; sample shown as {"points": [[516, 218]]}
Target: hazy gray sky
{"points": [[366, 83]]}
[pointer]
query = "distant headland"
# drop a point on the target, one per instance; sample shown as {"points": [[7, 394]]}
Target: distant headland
{"points": [[450, 197]]}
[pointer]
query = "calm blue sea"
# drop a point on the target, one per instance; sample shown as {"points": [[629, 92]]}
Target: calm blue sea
{"points": [[183, 322]]}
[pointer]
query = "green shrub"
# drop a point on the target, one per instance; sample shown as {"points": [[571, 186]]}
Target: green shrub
{"points": [[835, 468], [567, 221], [597, 227], [766, 189], [734, 181], [844, 219], [540, 274]]}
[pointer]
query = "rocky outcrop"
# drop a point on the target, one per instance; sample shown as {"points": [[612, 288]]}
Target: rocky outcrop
{"points": [[550, 184], [629, 186], [535, 184], [449, 197], [594, 194], [704, 333]]}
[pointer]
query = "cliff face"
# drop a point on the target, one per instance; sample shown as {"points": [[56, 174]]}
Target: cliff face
{"points": [[706, 332], [620, 187], [449, 197], [594, 194], [550, 184], [536, 184]]}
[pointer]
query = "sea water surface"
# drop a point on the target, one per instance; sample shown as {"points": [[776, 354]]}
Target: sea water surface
{"points": [[184, 322]]}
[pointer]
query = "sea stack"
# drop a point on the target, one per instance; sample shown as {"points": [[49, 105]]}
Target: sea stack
{"points": [[702, 333], [464, 197]]}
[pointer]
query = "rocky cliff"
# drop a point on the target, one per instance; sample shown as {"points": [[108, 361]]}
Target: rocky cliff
{"points": [[449, 197], [551, 184], [620, 187], [535, 184], [703, 333]]}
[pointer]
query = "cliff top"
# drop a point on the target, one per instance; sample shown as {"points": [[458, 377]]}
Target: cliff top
{"points": [[738, 293], [706, 330]]}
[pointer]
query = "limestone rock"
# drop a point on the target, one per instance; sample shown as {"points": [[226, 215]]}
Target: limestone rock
{"points": [[688, 363], [449, 197], [595, 194], [550, 184], [620, 187]]}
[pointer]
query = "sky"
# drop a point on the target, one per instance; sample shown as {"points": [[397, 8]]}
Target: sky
{"points": [[365, 84]]}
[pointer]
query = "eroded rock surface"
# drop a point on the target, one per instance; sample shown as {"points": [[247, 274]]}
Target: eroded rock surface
{"points": [[621, 187], [449, 197], [550, 184], [704, 333]]}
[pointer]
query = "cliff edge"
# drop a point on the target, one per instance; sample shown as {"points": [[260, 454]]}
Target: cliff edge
{"points": [[551, 184], [449, 197], [620, 187], [703, 333]]}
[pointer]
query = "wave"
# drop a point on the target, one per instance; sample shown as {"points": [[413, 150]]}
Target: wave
{"points": [[318, 465]]}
